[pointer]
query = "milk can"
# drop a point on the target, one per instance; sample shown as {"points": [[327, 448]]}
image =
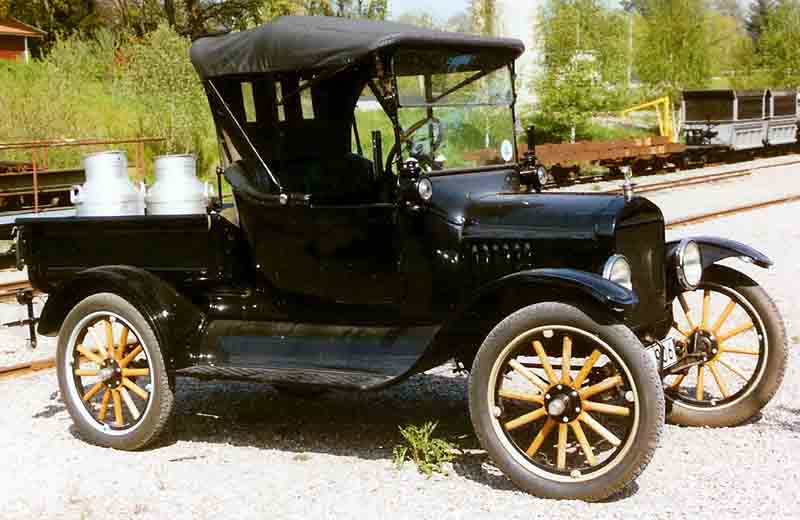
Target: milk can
{"points": [[108, 191], [177, 190]]}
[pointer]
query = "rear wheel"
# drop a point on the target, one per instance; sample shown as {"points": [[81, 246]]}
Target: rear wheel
{"points": [[731, 321], [112, 375], [567, 403]]}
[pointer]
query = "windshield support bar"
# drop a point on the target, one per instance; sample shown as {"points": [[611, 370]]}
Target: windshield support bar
{"points": [[245, 136], [513, 71]]}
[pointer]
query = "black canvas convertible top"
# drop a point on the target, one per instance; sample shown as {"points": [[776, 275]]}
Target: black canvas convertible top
{"points": [[292, 43]]}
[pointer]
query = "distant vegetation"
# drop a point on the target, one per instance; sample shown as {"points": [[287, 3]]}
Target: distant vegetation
{"points": [[120, 68]]}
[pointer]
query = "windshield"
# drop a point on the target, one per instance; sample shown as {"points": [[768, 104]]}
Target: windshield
{"points": [[453, 113]]}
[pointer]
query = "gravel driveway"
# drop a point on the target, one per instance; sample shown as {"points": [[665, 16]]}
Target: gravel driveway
{"points": [[245, 451]]}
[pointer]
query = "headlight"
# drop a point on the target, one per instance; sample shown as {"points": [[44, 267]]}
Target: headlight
{"points": [[689, 264], [425, 189], [618, 270], [541, 172]]}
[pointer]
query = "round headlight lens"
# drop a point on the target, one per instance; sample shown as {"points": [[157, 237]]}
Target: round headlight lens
{"points": [[690, 264], [425, 189], [541, 172], [618, 270]]}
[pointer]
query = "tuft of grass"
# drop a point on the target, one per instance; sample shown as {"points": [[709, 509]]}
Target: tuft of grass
{"points": [[423, 448], [795, 340]]}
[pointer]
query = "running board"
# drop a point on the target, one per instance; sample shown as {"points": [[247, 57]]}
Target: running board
{"points": [[290, 376]]}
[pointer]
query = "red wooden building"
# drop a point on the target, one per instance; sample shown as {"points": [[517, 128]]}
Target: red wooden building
{"points": [[15, 37]]}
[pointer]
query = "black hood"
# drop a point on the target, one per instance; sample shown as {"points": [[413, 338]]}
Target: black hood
{"points": [[488, 204]]}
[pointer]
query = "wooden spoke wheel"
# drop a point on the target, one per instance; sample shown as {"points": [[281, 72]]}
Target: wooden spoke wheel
{"points": [[111, 373], [735, 332], [567, 407]]}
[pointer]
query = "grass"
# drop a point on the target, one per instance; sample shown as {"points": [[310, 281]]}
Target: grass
{"points": [[422, 448]]}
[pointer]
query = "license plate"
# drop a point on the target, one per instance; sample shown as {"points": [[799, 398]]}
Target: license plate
{"points": [[664, 354]]}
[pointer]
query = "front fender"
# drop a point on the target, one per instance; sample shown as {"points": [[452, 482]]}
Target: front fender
{"points": [[173, 317], [714, 249], [602, 291]]}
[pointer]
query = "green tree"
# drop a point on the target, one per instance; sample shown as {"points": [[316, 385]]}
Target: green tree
{"points": [[581, 48], [672, 46], [757, 18], [780, 44]]}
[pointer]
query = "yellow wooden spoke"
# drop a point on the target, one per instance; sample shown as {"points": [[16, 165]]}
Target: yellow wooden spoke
{"points": [[135, 372], [86, 373], [130, 357], [540, 437], [737, 350], [677, 383], [733, 369], [686, 311], [706, 308], [584, 442], [120, 421], [528, 374], [110, 339], [507, 394], [586, 368], [525, 419], [599, 429], [699, 391], [591, 406], [93, 391], [561, 457], [98, 344], [134, 388], [723, 317], [91, 356], [104, 406], [548, 368], [129, 403], [683, 332], [720, 383], [123, 342], [600, 387], [744, 327], [566, 361]]}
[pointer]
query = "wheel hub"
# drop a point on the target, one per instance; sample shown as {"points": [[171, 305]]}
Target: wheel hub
{"points": [[562, 403], [705, 343], [111, 374]]}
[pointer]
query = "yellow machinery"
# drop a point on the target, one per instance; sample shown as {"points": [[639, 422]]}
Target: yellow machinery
{"points": [[663, 108]]}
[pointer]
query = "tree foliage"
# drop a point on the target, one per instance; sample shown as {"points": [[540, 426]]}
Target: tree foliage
{"points": [[581, 55], [672, 45], [779, 45]]}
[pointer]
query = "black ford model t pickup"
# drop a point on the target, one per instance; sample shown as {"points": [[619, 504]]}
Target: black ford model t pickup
{"points": [[352, 269]]}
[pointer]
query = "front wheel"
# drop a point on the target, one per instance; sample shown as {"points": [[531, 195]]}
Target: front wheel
{"points": [[112, 375], [731, 323], [566, 402]]}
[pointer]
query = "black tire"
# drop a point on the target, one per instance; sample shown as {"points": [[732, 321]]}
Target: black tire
{"points": [[769, 370], [592, 327], [142, 430]]}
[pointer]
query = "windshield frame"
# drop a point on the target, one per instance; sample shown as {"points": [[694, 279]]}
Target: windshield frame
{"points": [[401, 135]]}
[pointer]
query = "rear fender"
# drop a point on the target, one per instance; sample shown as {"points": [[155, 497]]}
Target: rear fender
{"points": [[714, 249], [174, 319]]}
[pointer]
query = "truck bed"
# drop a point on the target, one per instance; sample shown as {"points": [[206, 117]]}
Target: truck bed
{"points": [[183, 247]]}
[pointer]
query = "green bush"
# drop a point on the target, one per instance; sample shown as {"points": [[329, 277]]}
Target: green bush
{"points": [[422, 448], [109, 88]]}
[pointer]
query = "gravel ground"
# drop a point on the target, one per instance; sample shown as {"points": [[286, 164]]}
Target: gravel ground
{"points": [[246, 451]]}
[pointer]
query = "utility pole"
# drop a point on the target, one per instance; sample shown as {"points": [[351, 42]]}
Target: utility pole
{"points": [[630, 48]]}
